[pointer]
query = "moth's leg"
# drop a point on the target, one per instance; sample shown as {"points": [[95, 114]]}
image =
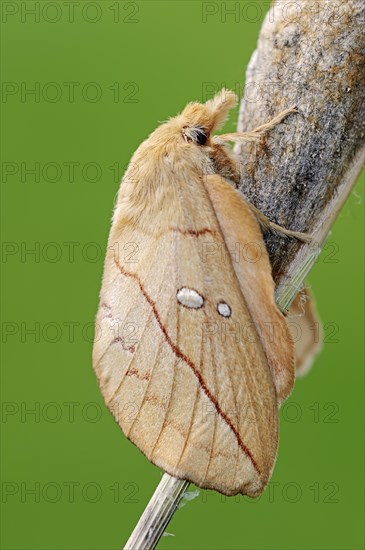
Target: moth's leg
{"points": [[268, 225], [225, 163], [254, 135]]}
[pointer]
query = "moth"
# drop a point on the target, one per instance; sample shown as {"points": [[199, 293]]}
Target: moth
{"points": [[192, 355]]}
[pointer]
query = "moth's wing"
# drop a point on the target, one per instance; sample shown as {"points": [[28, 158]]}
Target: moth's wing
{"points": [[190, 387], [251, 263], [306, 329]]}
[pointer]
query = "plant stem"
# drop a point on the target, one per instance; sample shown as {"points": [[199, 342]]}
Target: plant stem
{"points": [[157, 514]]}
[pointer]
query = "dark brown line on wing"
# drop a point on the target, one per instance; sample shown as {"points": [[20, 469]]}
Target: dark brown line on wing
{"points": [[194, 232], [135, 372], [190, 364]]}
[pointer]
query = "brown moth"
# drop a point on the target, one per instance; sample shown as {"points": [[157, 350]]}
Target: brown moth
{"points": [[192, 355]]}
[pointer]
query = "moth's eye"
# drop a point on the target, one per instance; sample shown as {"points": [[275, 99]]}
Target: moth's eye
{"points": [[197, 134], [200, 136]]}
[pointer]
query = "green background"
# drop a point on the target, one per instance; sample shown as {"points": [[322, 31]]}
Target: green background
{"points": [[161, 54]]}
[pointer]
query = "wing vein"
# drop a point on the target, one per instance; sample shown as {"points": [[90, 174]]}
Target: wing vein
{"points": [[154, 364], [174, 366], [215, 420]]}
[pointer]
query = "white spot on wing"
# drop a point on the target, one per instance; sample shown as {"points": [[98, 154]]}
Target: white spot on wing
{"points": [[224, 309], [189, 298]]}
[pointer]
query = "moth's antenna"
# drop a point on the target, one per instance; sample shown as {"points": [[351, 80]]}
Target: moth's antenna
{"points": [[220, 105]]}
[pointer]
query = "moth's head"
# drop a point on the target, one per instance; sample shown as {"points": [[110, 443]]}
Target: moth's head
{"points": [[199, 121]]}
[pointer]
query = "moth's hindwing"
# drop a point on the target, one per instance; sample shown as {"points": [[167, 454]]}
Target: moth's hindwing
{"points": [[307, 331], [251, 263]]}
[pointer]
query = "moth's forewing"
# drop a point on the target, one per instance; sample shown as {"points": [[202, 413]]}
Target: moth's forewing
{"points": [[188, 382]]}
